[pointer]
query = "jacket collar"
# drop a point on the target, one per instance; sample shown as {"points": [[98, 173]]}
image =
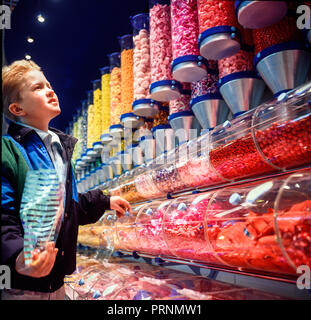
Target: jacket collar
{"points": [[19, 133]]}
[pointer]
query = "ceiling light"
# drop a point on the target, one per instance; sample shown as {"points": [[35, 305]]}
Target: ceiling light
{"points": [[40, 18], [30, 39], [27, 56]]}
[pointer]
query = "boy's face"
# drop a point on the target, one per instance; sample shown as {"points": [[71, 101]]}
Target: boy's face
{"points": [[38, 99]]}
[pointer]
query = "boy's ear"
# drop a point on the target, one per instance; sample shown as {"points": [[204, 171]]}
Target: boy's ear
{"points": [[16, 110]]}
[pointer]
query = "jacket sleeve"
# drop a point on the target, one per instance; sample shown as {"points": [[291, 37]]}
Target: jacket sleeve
{"points": [[12, 241], [92, 205]]}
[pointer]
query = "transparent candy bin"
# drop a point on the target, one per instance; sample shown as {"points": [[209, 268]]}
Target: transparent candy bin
{"points": [[165, 176], [115, 87], [127, 77], [219, 30], [160, 40], [149, 229], [146, 186], [125, 229], [193, 164], [262, 226], [105, 99], [97, 101], [187, 64], [283, 133], [233, 151], [183, 228], [129, 190], [141, 56]]}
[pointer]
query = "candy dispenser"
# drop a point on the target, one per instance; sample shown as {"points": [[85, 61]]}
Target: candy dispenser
{"points": [[245, 225], [282, 133], [261, 140], [148, 147], [106, 173], [130, 120], [142, 105], [145, 184], [116, 130], [84, 125], [239, 84], [165, 174], [116, 165], [164, 137], [259, 14], [163, 87], [125, 229], [187, 64], [79, 133], [128, 189], [136, 154], [292, 221], [90, 120], [127, 89], [126, 160], [193, 164], [149, 229], [219, 30], [281, 56], [185, 125], [184, 229], [105, 99], [115, 88], [234, 153], [206, 102], [97, 101]]}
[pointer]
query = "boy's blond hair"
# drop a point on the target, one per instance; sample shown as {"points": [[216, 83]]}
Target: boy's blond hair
{"points": [[13, 77]]}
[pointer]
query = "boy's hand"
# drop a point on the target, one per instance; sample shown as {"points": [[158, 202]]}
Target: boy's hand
{"points": [[120, 205], [42, 262]]}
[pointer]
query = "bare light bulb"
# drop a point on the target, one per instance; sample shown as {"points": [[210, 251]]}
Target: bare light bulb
{"points": [[40, 18]]}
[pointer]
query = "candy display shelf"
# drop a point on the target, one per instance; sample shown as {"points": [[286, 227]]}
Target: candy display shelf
{"points": [[258, 230]]}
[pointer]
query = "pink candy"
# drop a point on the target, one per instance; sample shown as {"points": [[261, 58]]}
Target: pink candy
{"points": [[185, 29], [196, 172], [160, 43], [181, 104], [141, 66], [241, 61]]}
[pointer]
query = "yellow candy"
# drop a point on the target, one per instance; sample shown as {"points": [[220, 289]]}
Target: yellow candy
{"points": [[105, 107], [115, 95]]}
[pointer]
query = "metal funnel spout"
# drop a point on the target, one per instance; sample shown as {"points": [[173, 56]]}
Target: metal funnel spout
{"points": [[210, 110], [284, 66], [242, 91]]}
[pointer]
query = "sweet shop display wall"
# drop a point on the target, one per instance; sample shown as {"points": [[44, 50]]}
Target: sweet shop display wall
{"points": [[243, 81]]}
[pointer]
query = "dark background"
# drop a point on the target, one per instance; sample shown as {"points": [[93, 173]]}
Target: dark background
{"points": [[72, 44]]}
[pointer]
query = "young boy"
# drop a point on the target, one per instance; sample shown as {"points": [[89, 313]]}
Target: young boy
{"points": [[30, 103]]}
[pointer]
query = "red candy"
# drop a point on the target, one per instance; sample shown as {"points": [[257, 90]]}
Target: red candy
{"points": [[283, 31], [185, 28], [287, 144], [241, 61], [216, 13], [238, 158]]}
